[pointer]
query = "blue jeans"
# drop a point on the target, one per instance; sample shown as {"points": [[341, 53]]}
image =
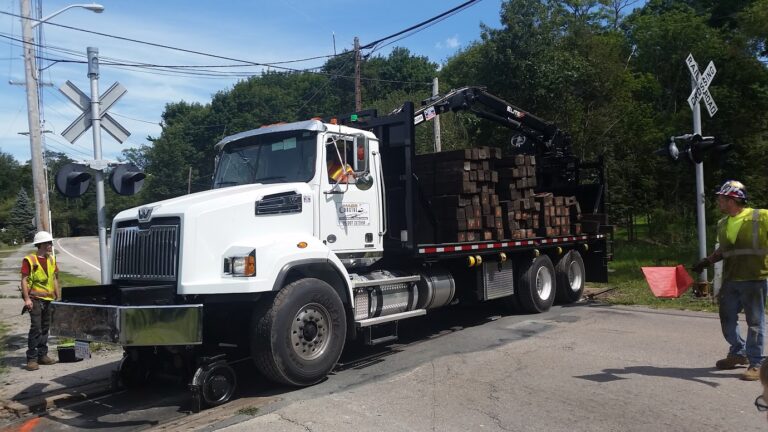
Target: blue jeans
{"points": [[749, 295]]}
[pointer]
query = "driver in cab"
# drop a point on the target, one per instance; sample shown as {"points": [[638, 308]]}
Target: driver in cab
{"points": [[337, 173]]}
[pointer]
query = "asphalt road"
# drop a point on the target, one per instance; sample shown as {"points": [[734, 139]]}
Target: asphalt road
{"points": [[583, 368], [578, 368], [79, 256]]}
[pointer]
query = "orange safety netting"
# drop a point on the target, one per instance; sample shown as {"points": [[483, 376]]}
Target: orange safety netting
{"points": [[668, 282]]}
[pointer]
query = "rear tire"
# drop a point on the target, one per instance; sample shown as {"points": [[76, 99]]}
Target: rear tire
{"points": [[298, 337], [570, 274], [536, 285]]}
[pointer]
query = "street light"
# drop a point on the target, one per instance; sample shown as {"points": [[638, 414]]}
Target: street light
{"points": [[42, 213], [93, 7]]}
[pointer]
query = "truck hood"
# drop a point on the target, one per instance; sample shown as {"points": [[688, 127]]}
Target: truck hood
{"points": [[200, 202], [223, 223]]}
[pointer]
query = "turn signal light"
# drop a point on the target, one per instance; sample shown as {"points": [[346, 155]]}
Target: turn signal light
{"points": [[301, 245], [250, 265]]}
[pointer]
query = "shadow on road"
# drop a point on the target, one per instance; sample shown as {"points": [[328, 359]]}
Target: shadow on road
{"points": [[698, 375]]}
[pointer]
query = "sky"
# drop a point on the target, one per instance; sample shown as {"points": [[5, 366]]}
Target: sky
{"points": [[264, 31]]}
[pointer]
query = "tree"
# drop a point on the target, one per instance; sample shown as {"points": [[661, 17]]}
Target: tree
{"points": [[21, 218]]}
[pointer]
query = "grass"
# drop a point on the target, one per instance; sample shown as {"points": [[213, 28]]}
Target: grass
{"points": [[68, 279], [249, 411], [632, 289]]}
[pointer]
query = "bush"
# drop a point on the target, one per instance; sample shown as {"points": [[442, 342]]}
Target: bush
{"points": [[671, 228]]}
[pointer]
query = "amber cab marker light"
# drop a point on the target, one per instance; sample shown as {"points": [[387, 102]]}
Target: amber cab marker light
{"points": [[250, 266]]}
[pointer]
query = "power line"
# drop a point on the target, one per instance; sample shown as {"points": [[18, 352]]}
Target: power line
{"points": [[135, 119], [158, 45], [421, 24]]}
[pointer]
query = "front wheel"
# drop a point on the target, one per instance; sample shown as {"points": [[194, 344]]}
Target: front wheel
{"points": [[536, 285], [298, 337]]}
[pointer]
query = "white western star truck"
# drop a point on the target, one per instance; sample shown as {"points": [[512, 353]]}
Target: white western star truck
{"points": [[290, 256]]}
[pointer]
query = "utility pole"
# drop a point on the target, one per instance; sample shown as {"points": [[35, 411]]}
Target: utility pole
{"points": [[42, 213], [436, 125], [358, 95], [101, 212]]}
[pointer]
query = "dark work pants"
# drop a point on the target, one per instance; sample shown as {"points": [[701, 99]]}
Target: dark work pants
{"points": [[40, 316]]}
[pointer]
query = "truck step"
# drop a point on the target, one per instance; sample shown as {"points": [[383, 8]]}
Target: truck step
{"points": [[389, 318], [381, 334]]}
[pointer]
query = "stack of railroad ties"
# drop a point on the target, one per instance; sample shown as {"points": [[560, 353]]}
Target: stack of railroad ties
{"points": [[476, 194]]}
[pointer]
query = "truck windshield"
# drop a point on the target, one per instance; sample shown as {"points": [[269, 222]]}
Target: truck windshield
{"points": [[283, 157]]}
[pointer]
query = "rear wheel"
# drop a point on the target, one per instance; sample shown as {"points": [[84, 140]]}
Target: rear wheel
{"points": [[570, 277], [299, 336], [536, 285]]}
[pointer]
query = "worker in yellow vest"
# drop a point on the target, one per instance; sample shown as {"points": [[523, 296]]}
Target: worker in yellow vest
{"points": [[743, 238], [39, 287]]}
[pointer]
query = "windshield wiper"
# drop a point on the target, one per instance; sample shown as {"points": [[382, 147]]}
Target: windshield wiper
{"points": [[225, 183]]}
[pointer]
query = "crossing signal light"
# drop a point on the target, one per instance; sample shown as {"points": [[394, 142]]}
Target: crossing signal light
{"points": [[126, 179], [698, 146], [73, 180], [694, 146]]}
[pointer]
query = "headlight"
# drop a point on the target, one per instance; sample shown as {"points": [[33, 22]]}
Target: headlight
{"points": [[241, 265]]}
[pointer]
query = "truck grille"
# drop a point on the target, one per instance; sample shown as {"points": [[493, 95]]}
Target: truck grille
{"points": [[146, 253]]}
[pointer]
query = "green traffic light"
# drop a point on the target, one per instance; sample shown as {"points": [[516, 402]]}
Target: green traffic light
{"points": [[353, 118]]}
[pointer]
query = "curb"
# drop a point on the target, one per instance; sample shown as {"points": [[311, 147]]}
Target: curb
{"points": [[57, 398]]}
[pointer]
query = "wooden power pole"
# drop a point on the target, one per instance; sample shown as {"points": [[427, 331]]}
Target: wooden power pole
{"points": [[358, 95]]}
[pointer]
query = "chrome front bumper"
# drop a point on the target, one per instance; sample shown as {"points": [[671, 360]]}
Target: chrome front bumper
{"points": [[129, 325]]}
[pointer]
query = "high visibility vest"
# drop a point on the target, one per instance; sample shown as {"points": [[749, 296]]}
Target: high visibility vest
{"points": [[41, 282], [746, 258]]}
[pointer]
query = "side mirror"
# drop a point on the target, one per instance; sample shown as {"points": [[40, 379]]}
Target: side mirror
{"points": [[364, 181], [73, 180]]}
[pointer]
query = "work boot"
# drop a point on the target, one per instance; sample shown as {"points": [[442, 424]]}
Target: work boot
{"points": [[731, 362], [32, 365], [751, 374], [45, 360]]}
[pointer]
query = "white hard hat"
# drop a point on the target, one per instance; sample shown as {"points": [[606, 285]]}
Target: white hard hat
{"points": [[42, 237]]}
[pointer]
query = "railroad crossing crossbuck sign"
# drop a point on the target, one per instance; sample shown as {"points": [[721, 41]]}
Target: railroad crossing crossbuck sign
{"points": [[83, 122], [702, 85]]}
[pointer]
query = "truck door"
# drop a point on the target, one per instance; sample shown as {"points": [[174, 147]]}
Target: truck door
{"points": [[350, 220]]}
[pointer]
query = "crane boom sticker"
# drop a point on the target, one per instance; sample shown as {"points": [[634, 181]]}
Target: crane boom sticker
{"points": [[354, 214]]}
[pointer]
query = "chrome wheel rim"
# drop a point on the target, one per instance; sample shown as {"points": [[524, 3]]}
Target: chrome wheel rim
{"points": [[575, 276], [543, 283], [311, 331]]}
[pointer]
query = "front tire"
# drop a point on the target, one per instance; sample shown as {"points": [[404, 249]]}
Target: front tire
{"points": [[298, 337], [536, 285]]}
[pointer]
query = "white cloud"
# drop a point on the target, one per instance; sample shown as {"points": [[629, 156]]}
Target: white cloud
{"points": [[450, 43]]}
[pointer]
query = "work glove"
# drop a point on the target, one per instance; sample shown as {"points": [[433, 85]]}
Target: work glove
{"points": [[701, 265]]}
